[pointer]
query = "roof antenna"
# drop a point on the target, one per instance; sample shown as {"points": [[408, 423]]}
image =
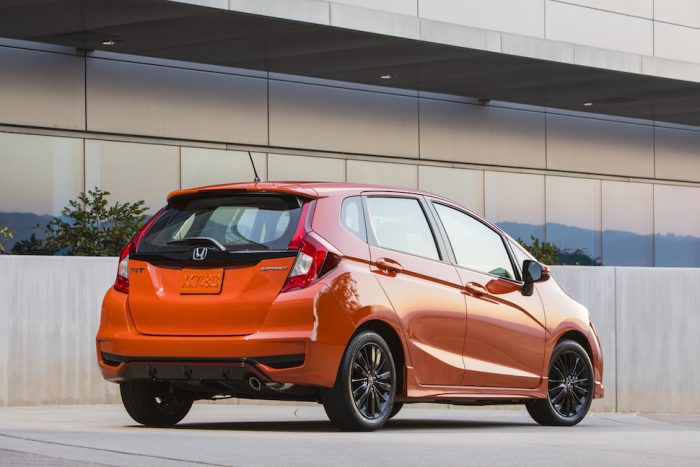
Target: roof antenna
{"points": [[256, 179]]}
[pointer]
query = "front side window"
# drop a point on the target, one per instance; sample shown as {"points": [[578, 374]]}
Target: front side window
{"points": [[519, 253], [475, 245], [400, 224]]}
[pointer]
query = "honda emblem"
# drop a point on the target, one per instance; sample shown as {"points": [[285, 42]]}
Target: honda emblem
{"points": [[200, 253]]}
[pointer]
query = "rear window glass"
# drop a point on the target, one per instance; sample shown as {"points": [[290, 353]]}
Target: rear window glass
{"points": [[352, 217], [239, 222]]}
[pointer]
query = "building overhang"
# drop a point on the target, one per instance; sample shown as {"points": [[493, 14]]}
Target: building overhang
{"points": [[186, 32]]}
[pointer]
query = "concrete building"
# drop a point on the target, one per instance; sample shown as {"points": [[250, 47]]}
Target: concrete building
{"points": [[577, 122]]}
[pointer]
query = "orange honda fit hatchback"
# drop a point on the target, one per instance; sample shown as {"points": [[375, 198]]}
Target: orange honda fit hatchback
{"points": [[362, 298]]}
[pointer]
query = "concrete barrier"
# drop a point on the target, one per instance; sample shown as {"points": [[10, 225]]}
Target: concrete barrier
{"points": [[648, 320], [49, 315]]}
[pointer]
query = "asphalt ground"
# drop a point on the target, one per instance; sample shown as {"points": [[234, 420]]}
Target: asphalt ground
{"points": [[282, 435]]}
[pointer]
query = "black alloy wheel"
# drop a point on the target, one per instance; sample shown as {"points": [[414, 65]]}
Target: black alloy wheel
{"points": [[362, 398], [570, 387], [569, 384], [371, 381]]}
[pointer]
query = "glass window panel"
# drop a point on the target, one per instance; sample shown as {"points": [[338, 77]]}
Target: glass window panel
{"points": [[38, 176], [383, 173], [465, 187], [352, 217], [574, 219], [628, 224], [519, 253], [132, 171], [515, 202], [301, 168], [244, 222], [400, 224], [677, 226], [474, 244], [201, 167]]}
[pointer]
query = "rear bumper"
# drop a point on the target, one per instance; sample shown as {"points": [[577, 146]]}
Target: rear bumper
{"points": [[184, 369], [288, 347]]}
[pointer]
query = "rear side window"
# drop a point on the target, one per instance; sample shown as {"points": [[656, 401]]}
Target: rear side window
{"points": [[400, 224], [474, 244], [238, 222], [353, 218]]}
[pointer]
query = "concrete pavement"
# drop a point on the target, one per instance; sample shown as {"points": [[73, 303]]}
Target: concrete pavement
{"points": [[226, 434]]}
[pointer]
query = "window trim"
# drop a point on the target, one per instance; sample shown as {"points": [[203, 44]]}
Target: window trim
{"points": [[422, 203], [518, 276]]}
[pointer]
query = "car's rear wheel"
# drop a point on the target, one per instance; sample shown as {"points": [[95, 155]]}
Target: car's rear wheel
{"points": [[570, 387], [362, 398], [154, 404]]}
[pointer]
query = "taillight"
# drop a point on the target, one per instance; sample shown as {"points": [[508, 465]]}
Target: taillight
{"points": [[121, 284], [313, 261]]}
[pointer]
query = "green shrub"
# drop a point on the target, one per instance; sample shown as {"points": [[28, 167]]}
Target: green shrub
{"points": [[544, 252], [5, 233], [89, 226]]}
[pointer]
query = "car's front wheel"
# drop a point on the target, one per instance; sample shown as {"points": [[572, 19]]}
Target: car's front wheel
{"points": [[154, 404], [362, 398], [570, 387]]}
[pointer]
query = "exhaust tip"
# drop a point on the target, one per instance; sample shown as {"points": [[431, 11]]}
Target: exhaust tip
{"points": [[254, 383]]}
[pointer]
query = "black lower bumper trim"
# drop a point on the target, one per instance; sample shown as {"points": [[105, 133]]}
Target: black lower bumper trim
{"points": [[277, 362]]}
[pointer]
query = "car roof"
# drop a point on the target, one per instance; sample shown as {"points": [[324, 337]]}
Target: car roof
{"points": [[307, 189], [316, 190]]}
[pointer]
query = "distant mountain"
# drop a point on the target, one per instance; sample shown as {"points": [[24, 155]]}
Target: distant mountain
{"points": [[23, 225], [619, 248]]}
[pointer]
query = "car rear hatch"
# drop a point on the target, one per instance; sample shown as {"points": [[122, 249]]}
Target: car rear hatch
{"points": [[212, 263]]}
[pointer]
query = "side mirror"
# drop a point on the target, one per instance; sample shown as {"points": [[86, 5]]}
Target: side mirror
{"points": [[533, 272]]}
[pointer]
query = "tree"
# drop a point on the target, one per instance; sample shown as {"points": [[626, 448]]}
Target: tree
{"points": [[90, 227], [5, 233], [544, 252], [32, 246]]}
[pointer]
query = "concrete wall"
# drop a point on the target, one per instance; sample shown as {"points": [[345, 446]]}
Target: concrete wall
{"points": [[49, 315], [647, 319]]}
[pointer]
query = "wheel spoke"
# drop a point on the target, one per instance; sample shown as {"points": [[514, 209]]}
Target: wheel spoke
{"points": [[559, 387], [557, 398], [359, 388], [382, 385], [362, 365], [576, 362], [562, 374], [384, 376]]}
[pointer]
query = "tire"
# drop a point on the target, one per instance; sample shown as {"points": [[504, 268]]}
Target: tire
{"points": [[570, 387], [153, 404], [362, 398], [396, 409]]}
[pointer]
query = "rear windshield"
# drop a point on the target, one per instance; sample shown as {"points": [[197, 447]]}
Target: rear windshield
{"points": [[238, 222]]}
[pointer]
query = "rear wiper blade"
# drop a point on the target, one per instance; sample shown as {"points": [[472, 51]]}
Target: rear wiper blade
{"points": [[198, 241]]}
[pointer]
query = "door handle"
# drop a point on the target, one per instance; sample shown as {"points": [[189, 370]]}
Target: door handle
{"points": [[475, 289], [388, 266]]}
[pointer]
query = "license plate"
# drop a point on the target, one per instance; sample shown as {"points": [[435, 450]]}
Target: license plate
{"points": [[197, 281]]}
